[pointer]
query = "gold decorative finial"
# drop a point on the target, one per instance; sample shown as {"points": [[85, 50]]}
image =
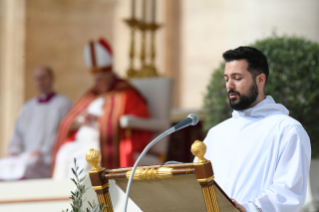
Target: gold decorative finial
{"points": [[198, 149], [93, 157]]}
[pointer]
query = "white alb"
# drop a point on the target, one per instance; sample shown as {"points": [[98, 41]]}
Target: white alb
{"points": [[261, 157], [35, 130]]}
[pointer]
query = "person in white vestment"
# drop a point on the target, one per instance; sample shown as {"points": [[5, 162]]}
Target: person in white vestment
{"points": [[261, 156], [87, 137], [29, 153]]}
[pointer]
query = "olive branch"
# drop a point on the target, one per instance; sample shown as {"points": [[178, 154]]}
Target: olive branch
{"points": [[76, 196]]}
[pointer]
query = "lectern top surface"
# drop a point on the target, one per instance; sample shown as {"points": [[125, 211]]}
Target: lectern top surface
{"points": [[175, 194]]}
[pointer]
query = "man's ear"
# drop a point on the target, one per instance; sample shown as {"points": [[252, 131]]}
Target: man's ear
{"points": [[261, 80]]}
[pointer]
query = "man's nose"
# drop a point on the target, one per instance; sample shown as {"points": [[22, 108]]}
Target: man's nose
{"points": [[230, 85]]}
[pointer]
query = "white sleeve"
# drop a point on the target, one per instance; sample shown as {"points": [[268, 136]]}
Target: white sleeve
{"points": [[16, 142], [288, 191]]}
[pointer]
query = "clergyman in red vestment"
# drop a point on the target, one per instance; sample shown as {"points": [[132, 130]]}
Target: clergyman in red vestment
{"points": [[93, 121]]}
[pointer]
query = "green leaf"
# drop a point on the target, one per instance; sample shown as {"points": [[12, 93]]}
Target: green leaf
{"points": [[74, 172], [82, 179], [81, 172], [90, 204], [74, 181], [76, 196]]}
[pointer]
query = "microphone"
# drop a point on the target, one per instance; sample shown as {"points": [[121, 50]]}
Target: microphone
{"points": [[192, 119]]}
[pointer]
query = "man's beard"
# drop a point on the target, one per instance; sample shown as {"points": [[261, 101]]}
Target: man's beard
{"points": [[245, 101]]}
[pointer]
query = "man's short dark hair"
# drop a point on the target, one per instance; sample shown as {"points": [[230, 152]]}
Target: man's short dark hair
{"points": [[257, 61]]}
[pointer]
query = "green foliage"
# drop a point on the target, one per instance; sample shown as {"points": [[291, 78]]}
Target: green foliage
{"points": [[76, 196], [293, 81]]}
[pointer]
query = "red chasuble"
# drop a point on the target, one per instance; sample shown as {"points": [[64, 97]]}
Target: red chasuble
{"points": [[117, 145]]}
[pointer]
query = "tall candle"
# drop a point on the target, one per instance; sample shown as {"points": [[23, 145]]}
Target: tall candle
{"points": [[133, 9], [153, 10], [144, 11]]}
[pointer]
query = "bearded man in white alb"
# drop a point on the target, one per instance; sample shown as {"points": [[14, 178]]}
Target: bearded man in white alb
{"points": [[30, 150], [260, 156]]}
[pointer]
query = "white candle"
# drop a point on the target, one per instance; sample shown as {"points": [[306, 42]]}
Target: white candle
{"points": [[144, 11], [133, 9], [153, 10]]}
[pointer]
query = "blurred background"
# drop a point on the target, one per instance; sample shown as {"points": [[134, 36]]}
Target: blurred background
{"points": [[189, 46]]}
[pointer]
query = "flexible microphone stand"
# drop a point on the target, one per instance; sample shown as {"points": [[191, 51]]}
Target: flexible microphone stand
{"points": [[192, 119]]}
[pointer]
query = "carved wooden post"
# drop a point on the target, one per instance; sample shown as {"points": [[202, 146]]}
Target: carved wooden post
{"points": [[99, 183], [205, 176]]}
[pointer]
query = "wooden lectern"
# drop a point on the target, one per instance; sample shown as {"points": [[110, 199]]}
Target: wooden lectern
{"points": [[185, 187]]}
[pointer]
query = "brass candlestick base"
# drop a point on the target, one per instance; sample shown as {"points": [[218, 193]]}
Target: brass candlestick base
{"points": [[132, 23], [153, 26], [146, 71], [132, 73], [149, 70]]}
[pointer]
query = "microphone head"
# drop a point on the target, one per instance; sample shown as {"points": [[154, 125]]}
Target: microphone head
{"points": [[194, 118]]}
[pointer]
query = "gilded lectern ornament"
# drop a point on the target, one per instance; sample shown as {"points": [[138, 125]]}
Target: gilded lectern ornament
{"points": [[150, 173], [93, 157], [198, 149]]}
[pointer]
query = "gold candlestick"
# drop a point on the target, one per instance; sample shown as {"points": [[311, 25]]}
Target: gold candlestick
{"points": [[152, 71], [143, 29], [132, 23], [147, 68]]}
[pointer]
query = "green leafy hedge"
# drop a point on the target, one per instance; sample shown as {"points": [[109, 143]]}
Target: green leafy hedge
{"points": [[293, 81]]}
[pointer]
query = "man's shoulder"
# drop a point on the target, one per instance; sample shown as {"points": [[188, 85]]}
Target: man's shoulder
{"points": [[28, 105], [30, 102], [283, 122], [222, 125]]}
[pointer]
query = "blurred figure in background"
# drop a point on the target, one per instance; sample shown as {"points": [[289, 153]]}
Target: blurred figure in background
{"points": [[93, 122], [30, 150]]}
